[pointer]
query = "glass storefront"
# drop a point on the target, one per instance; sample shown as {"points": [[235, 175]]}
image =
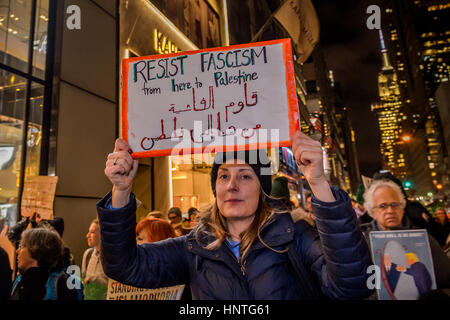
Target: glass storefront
{"points": [[161, 27], [21, 87]]}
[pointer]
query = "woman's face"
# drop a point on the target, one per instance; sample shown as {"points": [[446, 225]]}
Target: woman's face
{"points": [[142, 237], [440, 214], [24, 259], [237, 190]]}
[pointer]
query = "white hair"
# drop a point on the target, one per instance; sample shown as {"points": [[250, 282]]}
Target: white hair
{"points": [[374, 186]]}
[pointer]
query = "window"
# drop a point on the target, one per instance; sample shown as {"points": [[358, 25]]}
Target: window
{"points": [[22, 87]]}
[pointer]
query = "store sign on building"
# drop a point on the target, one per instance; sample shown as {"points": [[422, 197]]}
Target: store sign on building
{"points": [[241, 96], [162, 43]]}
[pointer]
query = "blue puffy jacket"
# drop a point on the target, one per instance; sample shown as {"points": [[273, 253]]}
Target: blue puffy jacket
{"points": [[337, 259]]}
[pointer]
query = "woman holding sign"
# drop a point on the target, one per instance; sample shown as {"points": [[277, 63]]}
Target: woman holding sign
{"points": [[242, 248]]}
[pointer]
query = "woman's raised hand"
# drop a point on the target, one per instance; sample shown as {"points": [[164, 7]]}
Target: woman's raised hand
{"points": [[309, 157], [121, 170]]}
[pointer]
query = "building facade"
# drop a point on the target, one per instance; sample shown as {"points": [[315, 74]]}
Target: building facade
{"points": [[390, 116], [418, 38]]}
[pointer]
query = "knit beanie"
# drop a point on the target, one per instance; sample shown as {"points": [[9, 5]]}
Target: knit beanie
{"points": [[280, 188], [256, 159]]}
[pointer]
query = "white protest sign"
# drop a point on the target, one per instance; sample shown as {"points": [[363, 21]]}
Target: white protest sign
{"points": [[241, 97]]}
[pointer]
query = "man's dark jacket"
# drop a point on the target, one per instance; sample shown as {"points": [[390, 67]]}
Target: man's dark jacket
{"points": [[337, 260]]}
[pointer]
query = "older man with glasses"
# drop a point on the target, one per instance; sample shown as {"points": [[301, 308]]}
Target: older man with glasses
{"points": [[385, 203]]}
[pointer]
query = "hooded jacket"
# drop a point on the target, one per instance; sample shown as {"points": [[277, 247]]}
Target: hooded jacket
{"points": [[336, 257]]}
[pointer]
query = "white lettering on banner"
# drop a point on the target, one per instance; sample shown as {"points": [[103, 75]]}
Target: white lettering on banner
{"points": [[119, 291], [188, 102]]}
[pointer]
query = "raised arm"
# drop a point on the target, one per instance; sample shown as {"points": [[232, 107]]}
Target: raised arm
{"points": [[337, 255], [309, 157], [121, 170], [151, 265]]}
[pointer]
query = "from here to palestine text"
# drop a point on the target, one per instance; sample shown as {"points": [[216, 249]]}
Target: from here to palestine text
{"points": [[226, 309]]}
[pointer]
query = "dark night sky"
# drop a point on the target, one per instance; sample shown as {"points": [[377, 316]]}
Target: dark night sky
{"points": [[352, 51]]}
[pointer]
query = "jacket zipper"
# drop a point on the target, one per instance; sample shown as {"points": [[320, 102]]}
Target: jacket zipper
{"points": [[241, 265]]}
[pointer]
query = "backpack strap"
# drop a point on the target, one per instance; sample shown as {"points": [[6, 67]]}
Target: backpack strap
{"points": [[303, 279], [88, 258]]}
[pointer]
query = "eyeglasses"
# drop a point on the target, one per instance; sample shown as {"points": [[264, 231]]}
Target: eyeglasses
{"points": [[393, 205]]}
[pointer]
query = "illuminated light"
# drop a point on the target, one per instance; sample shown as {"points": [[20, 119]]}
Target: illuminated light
{"points": [[12, 15], [162, 44], [227, 37], [16, 18], [173, 27], [408, 184], [439, 186], [406, 138], [127, 53], [17, 89], [430, 194], [179, 178]]}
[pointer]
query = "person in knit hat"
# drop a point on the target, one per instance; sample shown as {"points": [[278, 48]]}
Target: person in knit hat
{"points": [[242, 247]]}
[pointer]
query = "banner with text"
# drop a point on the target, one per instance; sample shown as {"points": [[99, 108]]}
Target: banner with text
{"points": [[119, 291], [237, 97]]}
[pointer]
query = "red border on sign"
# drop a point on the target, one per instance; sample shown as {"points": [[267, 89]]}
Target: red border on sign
{"points": [[294, 120]]}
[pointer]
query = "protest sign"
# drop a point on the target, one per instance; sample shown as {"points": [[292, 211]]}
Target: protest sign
{"points": [[38, 196], [241, 97], [119, 291], [405, 264]]}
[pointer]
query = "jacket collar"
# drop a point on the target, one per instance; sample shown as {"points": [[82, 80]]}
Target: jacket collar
{"points": [[277, 231]]}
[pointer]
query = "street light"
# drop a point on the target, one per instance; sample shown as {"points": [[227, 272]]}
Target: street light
{"points": [[406, 138]]}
